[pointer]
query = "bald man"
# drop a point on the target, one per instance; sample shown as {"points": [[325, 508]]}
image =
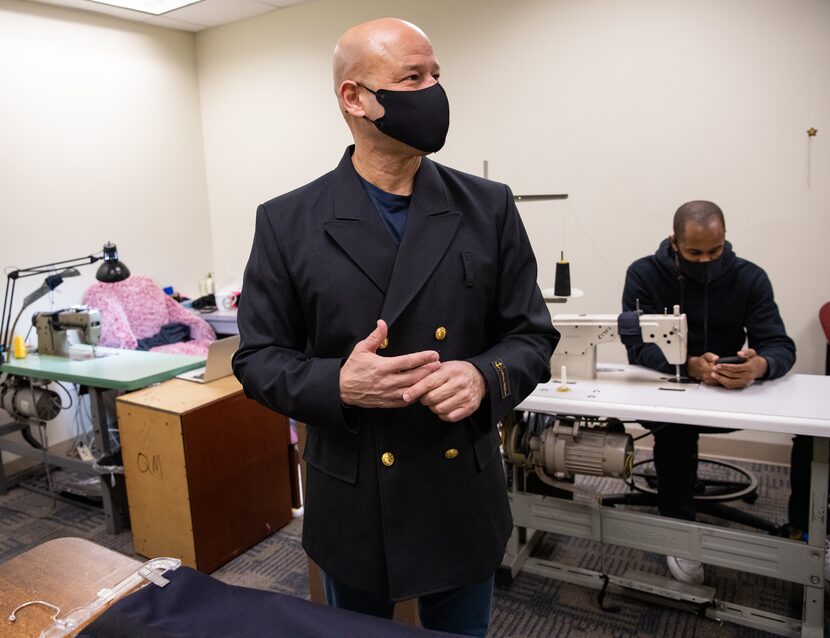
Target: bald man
{"points": [[392, 306], [731, 312]]}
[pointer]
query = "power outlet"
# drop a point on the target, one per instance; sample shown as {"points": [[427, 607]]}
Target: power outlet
{"points": [[85, 453]]}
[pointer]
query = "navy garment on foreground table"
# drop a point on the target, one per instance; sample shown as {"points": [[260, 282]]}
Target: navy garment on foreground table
{"points": [[194, 604]]}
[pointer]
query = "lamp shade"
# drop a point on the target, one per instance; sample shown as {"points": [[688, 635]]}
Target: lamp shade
{"points": [[112, 269]]}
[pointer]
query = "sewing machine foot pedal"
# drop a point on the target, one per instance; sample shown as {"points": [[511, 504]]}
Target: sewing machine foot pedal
{"points": [[667, 587]]}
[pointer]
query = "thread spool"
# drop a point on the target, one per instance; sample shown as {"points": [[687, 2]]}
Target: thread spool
{"points": [[562, 284], [19, 347], [563, 380]]}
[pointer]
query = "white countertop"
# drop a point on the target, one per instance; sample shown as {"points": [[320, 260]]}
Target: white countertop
{"points": [[794, 404]]}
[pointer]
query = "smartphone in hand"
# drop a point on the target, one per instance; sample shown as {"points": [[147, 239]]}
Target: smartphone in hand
{"points": [[731, 360]]}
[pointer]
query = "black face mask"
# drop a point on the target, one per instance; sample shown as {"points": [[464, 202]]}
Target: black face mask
{"points": [[701, 272], [419, 118]]}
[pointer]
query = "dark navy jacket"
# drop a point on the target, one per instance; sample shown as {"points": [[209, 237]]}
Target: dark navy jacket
{"points": [[322, 270], [737, 306]]}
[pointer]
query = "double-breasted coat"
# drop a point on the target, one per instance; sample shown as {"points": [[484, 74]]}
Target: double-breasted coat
{"points": [[397, 500]]}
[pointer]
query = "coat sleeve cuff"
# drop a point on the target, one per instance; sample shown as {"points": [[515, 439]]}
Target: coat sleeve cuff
{"points": [[329, 410], [499, 399]]}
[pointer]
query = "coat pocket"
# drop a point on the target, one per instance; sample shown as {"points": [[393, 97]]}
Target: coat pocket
{"points": [[469, 269], [333, 452], [485, 443]]}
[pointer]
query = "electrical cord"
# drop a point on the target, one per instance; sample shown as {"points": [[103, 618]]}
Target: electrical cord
{"points": [[44, 444], [115, 438], [84, 435], [649, 432], [71, 402], [26, 433], [83, 422]]}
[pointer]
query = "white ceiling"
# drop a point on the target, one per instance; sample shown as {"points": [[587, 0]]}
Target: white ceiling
{"points": [[194, 17]]}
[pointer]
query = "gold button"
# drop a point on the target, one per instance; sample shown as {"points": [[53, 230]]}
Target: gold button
{"points": [[451, 453], [384, 343], [388, 459], [440, 333]]}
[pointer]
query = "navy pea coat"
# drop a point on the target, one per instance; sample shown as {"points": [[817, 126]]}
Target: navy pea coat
{"points": [[398, 501]]}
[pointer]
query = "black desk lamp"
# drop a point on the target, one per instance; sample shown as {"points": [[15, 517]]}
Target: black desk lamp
{"points": [[110, 271]]}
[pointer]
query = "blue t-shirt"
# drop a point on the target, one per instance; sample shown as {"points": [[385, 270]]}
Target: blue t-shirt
{"points": [[393, 209]]}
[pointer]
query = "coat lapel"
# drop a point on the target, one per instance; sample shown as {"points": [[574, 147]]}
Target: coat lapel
{"points": [[430, 228], [358, 229]]}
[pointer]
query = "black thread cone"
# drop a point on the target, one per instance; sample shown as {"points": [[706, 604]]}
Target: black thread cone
{"points": [[562, 286]]}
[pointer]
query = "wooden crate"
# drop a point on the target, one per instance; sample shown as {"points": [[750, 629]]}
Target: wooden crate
{"points": [[206, 470]]}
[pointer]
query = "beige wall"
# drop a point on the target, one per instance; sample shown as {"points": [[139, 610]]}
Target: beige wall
{"points": [[100, 139], [630, 107]]}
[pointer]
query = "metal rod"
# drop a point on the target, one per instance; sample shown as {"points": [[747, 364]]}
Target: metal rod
{"points": [[538, 198]]}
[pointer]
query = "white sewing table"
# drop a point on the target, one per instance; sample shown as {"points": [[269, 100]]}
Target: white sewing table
{"points": [[794, 404]]}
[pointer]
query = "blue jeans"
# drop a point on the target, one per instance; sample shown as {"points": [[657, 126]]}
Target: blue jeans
{"points": [[464, 611]]}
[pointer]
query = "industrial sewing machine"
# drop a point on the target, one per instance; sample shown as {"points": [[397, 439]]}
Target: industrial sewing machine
{"points": [[52, 328], [557, 447], [580, 335], [26, 398]]}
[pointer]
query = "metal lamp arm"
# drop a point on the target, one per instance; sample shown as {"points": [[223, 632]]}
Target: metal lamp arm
{"points": [[45, 269]]}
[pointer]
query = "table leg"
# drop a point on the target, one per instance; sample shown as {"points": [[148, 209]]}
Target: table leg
{"points": [[100, 419], [113, 488], [3, 486], [813, 605]]}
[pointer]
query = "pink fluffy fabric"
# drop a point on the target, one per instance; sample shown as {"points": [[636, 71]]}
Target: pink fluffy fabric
{"points": [[137, 308]]}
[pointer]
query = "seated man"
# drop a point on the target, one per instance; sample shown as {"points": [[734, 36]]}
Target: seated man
{"points": [[731, 311]]}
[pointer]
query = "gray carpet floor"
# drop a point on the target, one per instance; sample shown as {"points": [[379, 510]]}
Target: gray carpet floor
{"points": [[528, 607]]}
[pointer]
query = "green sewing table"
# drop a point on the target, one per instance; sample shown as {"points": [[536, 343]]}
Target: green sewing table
{"points": [[112, 371]]}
